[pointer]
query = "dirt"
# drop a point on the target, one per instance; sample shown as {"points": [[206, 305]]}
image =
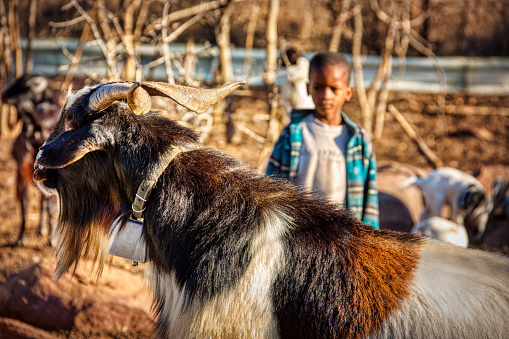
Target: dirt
{"points": [[464, 141]]}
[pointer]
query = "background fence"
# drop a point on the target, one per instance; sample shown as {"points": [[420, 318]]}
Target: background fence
{"points": [[488, 75]]}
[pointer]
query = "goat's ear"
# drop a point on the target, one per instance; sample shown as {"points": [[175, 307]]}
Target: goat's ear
{"points": [[68, 148]]}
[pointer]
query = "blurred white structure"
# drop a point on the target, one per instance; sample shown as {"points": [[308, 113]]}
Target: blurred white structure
{"points": [[443, 230], [294, 93]]}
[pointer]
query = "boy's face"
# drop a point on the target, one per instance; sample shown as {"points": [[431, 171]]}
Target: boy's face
{"points": [[328, 86]]}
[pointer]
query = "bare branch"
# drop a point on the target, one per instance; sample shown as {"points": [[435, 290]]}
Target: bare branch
{"points": [[109, 61], [250, 133], [176, 33], [388, 19], [178, 15], [164, 46], [357, 65], [71, 57], [68, 23], [77, 54], [250, 31], [434, 160], [223, 41], [343, 16], [126, 41], [271, 62]]}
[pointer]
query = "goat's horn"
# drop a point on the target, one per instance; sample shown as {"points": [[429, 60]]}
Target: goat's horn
{"points": [[137, 98], [108, 93], [194, 99]]}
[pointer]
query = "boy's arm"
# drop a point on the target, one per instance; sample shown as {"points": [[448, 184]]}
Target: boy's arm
{"points": [[276, 161], [371, 208]]}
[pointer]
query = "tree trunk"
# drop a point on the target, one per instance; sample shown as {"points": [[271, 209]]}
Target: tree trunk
{"points": [[367, 114], [5, 45], [29, 65], [15, 37], [223, 41], [250, 32], [270, 81], [130, 65], [340, 26], [271, 71]]}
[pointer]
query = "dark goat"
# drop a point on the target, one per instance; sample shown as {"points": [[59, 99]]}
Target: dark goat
{"points": [[38, 108], [236, 254]]}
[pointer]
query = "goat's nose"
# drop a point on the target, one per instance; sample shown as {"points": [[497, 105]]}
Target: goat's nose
{"points": [[36, 165]]}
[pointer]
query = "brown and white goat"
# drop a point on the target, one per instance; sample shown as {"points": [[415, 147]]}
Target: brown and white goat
{"points": [[237, 254], [37, 107]]}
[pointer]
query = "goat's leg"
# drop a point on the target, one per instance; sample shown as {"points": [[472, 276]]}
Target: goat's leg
{"points": [[432, 208], [457, 213], [24, 203]]}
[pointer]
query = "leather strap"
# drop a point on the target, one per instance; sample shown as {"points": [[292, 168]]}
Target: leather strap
{"points": [[146, 186]]}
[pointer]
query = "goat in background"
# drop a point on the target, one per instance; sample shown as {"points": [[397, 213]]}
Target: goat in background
{"points": [[37, 107], [469, 202], [237, 254]]}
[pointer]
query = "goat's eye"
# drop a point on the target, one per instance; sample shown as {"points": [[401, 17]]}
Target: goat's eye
{"points": [[70, 125]]}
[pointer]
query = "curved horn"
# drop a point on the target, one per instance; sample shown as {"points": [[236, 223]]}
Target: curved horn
{"points": [[195, 99], [137, 98], [108, 93]]}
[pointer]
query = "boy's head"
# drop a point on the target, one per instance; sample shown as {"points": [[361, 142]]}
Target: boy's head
{"points": [[329, 85]]}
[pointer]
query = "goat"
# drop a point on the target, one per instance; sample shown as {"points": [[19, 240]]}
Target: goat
{"points": [[443, 230], [37, 107], [236, 254], [468, 200]]}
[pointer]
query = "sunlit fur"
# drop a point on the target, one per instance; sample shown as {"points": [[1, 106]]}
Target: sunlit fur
{"points": [[456, 293], [233, 253]]}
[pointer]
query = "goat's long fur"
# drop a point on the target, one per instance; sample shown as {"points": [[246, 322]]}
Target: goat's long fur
{"points": [[236, 254]]}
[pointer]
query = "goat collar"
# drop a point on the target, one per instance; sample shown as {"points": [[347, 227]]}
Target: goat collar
{"points": [[146, 186]]}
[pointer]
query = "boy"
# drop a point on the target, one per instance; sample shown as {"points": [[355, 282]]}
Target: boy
{"points": [[324, 151]]}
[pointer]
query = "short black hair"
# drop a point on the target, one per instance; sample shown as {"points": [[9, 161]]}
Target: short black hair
{"points": [[324, 59]]}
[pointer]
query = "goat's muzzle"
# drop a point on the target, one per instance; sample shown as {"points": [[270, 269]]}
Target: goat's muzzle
{"points": [[39, 173]]}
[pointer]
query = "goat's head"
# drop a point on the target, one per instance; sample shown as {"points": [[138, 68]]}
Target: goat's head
{"points": [[26, 87], [104, 145], [479, 206]]}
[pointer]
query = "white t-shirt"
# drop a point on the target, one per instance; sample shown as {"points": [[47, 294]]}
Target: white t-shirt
{"points": [[322, 166]]}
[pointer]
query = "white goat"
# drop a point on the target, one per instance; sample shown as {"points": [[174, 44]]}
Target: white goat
{"points": [[469, 202]]}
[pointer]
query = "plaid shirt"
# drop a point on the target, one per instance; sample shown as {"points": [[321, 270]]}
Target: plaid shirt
{"points": [[362, 191]]}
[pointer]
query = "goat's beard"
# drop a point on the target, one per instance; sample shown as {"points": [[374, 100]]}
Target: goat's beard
{"points": [[75, 243], [84, 223]]}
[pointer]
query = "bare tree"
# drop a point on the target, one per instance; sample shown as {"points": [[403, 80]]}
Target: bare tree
{"points": [[5, 44], [224, 44], [270, 81], [250, 31], [343, 15], [117, 32], [14, 31], [32, 17], [399, 35]]}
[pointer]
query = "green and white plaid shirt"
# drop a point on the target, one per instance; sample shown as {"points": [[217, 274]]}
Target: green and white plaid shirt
{"points": [[362, 191]]}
